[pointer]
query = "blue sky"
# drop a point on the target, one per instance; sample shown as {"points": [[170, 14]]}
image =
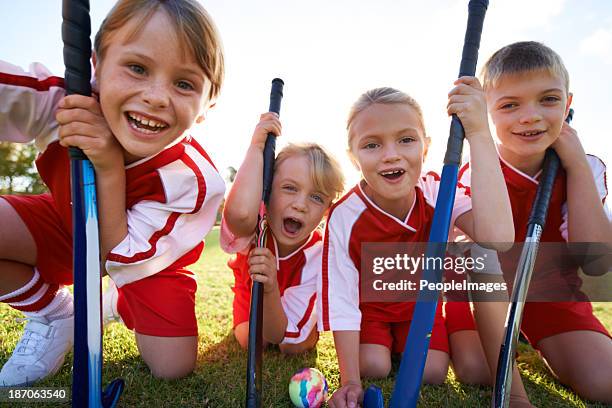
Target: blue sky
{"points": [[329, 52]]}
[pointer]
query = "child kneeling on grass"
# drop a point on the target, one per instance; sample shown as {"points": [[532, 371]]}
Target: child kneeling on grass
{"points": [[306, 181], [394, 203], [527, 91], [158, 67]]}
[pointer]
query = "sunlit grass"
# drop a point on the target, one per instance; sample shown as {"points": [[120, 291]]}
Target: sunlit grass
{"points": [[218, 380]]}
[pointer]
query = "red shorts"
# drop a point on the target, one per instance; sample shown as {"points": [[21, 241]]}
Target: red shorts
{"points": [[540, 319], [241, 305], [53, 239], [160, 305], [393, 334], [458, 316]]}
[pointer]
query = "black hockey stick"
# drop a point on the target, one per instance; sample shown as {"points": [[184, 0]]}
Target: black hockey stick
{"points": [[253, 389], [524, 270]]}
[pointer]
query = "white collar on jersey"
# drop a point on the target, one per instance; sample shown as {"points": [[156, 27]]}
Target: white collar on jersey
{"points": [[393, 217], [533, 179], [284, 258]]}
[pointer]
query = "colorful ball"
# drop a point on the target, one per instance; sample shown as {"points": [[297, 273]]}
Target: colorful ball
{"points": [[308, 388]]}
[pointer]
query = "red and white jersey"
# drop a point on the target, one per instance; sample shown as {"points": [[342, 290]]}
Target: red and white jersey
{"points": [[297, 275], [171, 198], [522, 190], [555, 269], [356, 219]]}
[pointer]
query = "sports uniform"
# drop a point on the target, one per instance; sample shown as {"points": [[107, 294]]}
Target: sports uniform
{"points": [[297, 281], [171, 202], [553, 273], [354, 220]]}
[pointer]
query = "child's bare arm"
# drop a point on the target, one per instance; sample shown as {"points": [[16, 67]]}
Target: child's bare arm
{"points": [[242, 205], [587, 220], [347, 349], [490, 220], [490, 315], [83, 125]]}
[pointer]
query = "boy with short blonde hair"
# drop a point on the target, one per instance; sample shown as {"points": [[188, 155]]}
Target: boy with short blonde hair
{"points": [[528, 98]]}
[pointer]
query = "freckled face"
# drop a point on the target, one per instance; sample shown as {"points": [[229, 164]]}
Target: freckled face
{"points": [[151, 91]]}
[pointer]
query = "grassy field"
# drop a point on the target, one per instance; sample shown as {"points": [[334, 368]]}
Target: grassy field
{"points": [[218, 380]]}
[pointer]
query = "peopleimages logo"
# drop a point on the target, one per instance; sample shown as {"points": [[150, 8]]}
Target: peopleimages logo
{"points": [[412, 264], [462, 285]]}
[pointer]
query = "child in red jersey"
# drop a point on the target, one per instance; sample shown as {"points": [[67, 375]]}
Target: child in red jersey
{"points": [[306, 181], [158, 68], [394, 202], [527, 90]]}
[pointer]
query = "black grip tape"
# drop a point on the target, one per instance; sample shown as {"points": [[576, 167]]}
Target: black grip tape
{"points": [[276, 96], [476, 14], [76, 32]]}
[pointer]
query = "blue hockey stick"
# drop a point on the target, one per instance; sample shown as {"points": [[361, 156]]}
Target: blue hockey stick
{"points": [[87, 367], [410, 375]]}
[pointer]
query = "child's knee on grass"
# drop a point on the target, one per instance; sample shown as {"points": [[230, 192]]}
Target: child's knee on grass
{"points": [[436, 367], [302, 347], [374, 360], [581, 359], [241, 332], [168, 358], [595, 387], [468, 358]]}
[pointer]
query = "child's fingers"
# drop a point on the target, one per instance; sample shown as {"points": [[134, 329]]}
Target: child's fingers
{"points": [[271, 126], [352, 397], [80, 101], [64, 116], [268, 115], [338, 400], [470, 81], [260, 278], [567, 128], [458, 99], [78, 129], [258, 260], [464, 89], [261, 268], [261, 251], [458, 108], [460, 89], [82, 142]]}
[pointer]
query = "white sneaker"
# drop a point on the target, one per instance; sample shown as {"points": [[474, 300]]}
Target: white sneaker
{"points": [[39, 353], [109, 304]]}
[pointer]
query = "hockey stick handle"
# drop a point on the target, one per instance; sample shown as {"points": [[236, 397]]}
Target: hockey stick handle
{"points": [[276, 96], [254, 353], [76, 32], [535, 228], [547, 181], [410, 374], [469, 58]]}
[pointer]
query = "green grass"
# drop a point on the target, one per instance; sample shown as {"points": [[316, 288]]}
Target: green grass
{"points": [[218, 380]]}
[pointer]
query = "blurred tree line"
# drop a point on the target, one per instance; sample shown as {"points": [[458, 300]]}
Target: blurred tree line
{"points": [[18, 173]]}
